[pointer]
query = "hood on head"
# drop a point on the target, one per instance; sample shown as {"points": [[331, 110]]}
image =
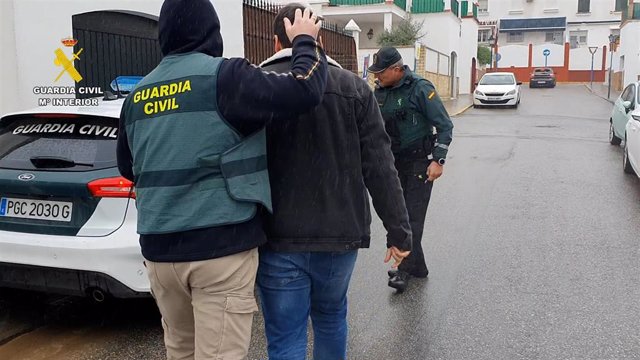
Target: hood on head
{"points": [[189, 25]]}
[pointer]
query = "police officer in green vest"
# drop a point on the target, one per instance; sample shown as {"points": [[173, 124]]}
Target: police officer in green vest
{"points": [[411, 109], [191, 138]]}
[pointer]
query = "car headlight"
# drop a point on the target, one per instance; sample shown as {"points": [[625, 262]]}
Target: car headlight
{"points": [[479, 93], [512, 92]]}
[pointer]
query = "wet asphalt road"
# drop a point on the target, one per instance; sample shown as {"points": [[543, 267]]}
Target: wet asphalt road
{"points": [[532, 241]]}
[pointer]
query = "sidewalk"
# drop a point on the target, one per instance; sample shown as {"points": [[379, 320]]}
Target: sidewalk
{"points": [[458, 105], [600, 90]]}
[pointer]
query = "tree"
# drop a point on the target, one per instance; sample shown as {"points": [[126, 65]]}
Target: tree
{"points": [[484, 55], [407, 32]]}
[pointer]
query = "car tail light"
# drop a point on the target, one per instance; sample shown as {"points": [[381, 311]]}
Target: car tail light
{"points": [[112, 187]]}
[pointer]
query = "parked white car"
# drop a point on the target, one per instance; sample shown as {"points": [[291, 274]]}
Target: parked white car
{"points": [[67, 217], [497, 89], [624, 124], [631, 158]]}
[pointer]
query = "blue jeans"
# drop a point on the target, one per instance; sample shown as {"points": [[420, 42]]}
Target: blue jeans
{"points": [[294, 286]]}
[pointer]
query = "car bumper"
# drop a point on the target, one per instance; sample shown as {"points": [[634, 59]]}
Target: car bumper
{"points": [[74, 264], [542, 83], [509, 100]]}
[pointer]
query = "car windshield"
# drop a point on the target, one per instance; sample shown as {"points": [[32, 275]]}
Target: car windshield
{"points": [[497, 80], [543, 71]]}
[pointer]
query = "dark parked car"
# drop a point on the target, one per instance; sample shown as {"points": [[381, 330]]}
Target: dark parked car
{"points": [[542, 77]]}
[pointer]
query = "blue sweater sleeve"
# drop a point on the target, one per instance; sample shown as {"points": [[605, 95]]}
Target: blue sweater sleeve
{"points": [[248, 97]]}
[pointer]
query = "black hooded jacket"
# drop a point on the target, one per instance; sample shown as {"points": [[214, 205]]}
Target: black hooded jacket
{"points": [[321, 164], [247, 98]]}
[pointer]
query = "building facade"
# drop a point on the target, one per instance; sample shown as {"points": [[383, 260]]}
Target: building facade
{"points": [[629, 49], [580, 23], [448, 47]]}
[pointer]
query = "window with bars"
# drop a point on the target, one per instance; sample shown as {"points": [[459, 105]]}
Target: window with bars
{"points": [[515, 37], [484, 35], [555, 37], [483, 6], [584, 6], [578, 38]]}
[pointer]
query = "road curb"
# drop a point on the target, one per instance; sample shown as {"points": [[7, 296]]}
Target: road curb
{"points": [[463, 110], [598, 95]]}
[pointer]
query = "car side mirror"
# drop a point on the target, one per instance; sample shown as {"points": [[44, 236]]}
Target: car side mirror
{"points": [[519, 83], [476, 84], [627, 105]]}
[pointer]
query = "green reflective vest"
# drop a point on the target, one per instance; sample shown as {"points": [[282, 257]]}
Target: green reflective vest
{"points": [[406, 126], [192, 170]]}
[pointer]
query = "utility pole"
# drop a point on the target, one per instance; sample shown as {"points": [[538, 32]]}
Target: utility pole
{"points": [[612, 43]]}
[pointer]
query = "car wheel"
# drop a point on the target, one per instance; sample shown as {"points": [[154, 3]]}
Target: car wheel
{"points": [[613, 139], [626, 165]]}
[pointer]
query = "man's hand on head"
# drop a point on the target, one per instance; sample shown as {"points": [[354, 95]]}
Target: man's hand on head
{"points": [[303, 24]]}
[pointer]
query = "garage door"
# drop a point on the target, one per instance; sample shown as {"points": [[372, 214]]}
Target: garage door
{"points": [[114, 43]]}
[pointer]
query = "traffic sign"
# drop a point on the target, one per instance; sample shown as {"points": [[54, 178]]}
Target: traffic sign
{"points": [[498, 56], [546, 52]]}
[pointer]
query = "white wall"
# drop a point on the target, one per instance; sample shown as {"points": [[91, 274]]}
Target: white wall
{"points": [[629, 40], [467, 51], [601, 10], [407, 53], [447, 33], [580, 59], [514, 55], [38, 34], [378, 28], [442, 31], [556, 58], [9, 100]]}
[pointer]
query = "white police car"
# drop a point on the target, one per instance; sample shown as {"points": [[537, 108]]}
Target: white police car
{"points": [[67, 217]]}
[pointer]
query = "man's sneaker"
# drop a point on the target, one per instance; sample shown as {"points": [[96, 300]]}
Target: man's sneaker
{"points": [[422, 274], [399, 281]]}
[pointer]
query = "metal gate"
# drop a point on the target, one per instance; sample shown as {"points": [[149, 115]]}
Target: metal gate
{"points": [[114, 43], [258, 36]]}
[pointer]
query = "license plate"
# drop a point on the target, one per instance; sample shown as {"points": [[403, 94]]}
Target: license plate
{"points": [[494, 98], [542, 82], [36, 209]]}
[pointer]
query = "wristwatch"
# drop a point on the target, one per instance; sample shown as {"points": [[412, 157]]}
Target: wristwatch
{"points": [[441, 161]]}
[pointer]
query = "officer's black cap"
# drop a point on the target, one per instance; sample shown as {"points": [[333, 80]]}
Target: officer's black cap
{"points": [[384, 58]]}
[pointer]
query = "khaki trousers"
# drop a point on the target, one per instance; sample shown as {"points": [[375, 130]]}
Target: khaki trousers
{"points": [[207, 306]]}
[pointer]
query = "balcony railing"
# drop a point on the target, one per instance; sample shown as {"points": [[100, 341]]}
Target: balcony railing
{"points": [[399, 3], [355, 2], [427, 6]]}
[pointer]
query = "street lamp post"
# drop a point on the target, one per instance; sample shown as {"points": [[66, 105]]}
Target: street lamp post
{"points": [[612, 41], [592, 50]]}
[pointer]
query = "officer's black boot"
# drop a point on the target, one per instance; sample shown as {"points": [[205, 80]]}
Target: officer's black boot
{"points": [[421, 274], [399, 281]]}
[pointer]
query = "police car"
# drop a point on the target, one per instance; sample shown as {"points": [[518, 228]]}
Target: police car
{"points": [[67, 217]]}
